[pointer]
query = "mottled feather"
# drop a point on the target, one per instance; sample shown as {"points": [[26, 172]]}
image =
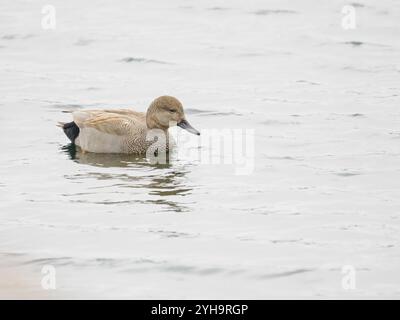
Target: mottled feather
{"points": [[124, 130]]}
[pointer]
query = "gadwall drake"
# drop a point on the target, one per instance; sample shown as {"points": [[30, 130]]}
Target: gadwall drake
{"points": [[124, 130]]}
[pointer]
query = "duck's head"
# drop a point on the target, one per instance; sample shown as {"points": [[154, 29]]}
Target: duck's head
{"points": [[167, 110]]}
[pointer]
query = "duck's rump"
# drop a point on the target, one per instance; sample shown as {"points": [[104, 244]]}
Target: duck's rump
{"points": [[71, 130]]}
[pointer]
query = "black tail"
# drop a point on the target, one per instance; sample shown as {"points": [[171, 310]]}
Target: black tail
{"points": [[71, 130]]}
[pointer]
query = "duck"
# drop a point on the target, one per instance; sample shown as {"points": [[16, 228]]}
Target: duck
{"points": [[126, 131]]}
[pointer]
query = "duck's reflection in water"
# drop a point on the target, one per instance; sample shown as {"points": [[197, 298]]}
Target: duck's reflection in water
{"points": [[161, 184]]}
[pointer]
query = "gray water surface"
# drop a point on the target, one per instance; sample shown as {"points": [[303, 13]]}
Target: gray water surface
{"points": [[324, 192]]}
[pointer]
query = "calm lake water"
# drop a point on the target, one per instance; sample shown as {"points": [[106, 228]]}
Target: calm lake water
{"points": [[325, 190]]}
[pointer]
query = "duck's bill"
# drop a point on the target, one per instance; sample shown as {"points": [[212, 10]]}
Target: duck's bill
{"points": [[184, 124]]}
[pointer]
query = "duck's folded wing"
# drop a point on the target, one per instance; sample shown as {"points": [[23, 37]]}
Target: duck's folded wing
{"points": [[128, 112], [107, 122]]}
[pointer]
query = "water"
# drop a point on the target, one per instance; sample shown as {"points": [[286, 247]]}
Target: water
{"points": [[324, 193]]}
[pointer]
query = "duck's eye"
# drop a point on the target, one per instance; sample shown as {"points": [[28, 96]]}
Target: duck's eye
{"points": [[171, 110]]}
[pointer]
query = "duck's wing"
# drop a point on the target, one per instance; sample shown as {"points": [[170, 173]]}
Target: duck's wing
{"points": [[128, 112], [119, 123]]}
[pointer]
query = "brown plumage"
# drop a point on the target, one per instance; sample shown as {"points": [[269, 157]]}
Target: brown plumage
{"points": [[124, 130]]}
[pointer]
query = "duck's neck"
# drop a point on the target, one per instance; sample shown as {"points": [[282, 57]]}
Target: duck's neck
{"points": [[152, 121]]}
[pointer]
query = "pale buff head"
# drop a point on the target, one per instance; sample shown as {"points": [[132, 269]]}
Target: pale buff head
{"points": [[166, 111]]}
